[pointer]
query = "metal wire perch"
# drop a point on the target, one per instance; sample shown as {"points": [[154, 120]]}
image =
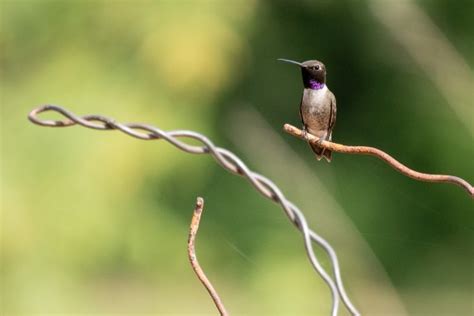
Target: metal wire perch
{"points": [[371, 151], [228, 161]]}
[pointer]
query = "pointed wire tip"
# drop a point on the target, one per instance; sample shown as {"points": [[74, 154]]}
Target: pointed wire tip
{"points": [[199, 204], [290, 61]]}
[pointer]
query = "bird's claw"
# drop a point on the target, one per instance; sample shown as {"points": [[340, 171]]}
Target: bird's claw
{"points": [[305, 134]]}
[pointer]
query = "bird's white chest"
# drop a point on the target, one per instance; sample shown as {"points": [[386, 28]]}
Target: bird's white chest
{"points": [[315, 109], [315, 98]]}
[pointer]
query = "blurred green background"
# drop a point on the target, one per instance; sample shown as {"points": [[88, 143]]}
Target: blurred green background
{"points": [[96, 222]]}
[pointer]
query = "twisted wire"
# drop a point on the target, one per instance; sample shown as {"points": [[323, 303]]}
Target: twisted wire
{"points": [[228, 161]]}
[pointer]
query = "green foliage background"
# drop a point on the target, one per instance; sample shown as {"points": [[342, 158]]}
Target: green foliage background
{"points": [[96, 222]]}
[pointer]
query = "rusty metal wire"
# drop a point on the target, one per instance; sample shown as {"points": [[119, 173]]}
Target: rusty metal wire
{"points": [[193, 229], [372, 151], [228, 161]]}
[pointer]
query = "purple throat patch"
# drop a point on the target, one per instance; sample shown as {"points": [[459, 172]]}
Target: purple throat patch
{"points": [[315, 85]]}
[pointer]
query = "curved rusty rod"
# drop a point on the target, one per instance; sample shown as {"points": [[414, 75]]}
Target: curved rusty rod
{"points": [[193, 229], [371, 151]]}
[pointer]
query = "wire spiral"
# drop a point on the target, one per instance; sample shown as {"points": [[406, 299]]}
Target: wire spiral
{"points": [[228, 161]]}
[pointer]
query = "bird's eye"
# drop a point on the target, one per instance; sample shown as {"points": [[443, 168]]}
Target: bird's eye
{"points": [[316, 67]]}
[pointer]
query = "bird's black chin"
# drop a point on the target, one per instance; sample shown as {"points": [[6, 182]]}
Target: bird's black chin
{"points": [[309, 78]]}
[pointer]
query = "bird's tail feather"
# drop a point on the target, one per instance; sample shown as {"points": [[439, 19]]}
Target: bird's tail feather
{"points": [[321, 152]]}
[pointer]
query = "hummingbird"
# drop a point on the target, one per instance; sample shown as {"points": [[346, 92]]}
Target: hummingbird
{"points": [[318, 105]]}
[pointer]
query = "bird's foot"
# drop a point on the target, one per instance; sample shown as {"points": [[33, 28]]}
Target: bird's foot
{"points": [[305, 134], [320, 140]]}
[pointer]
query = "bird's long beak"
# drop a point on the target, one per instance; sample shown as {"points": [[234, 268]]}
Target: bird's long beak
{"points": [[291, 61]]}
